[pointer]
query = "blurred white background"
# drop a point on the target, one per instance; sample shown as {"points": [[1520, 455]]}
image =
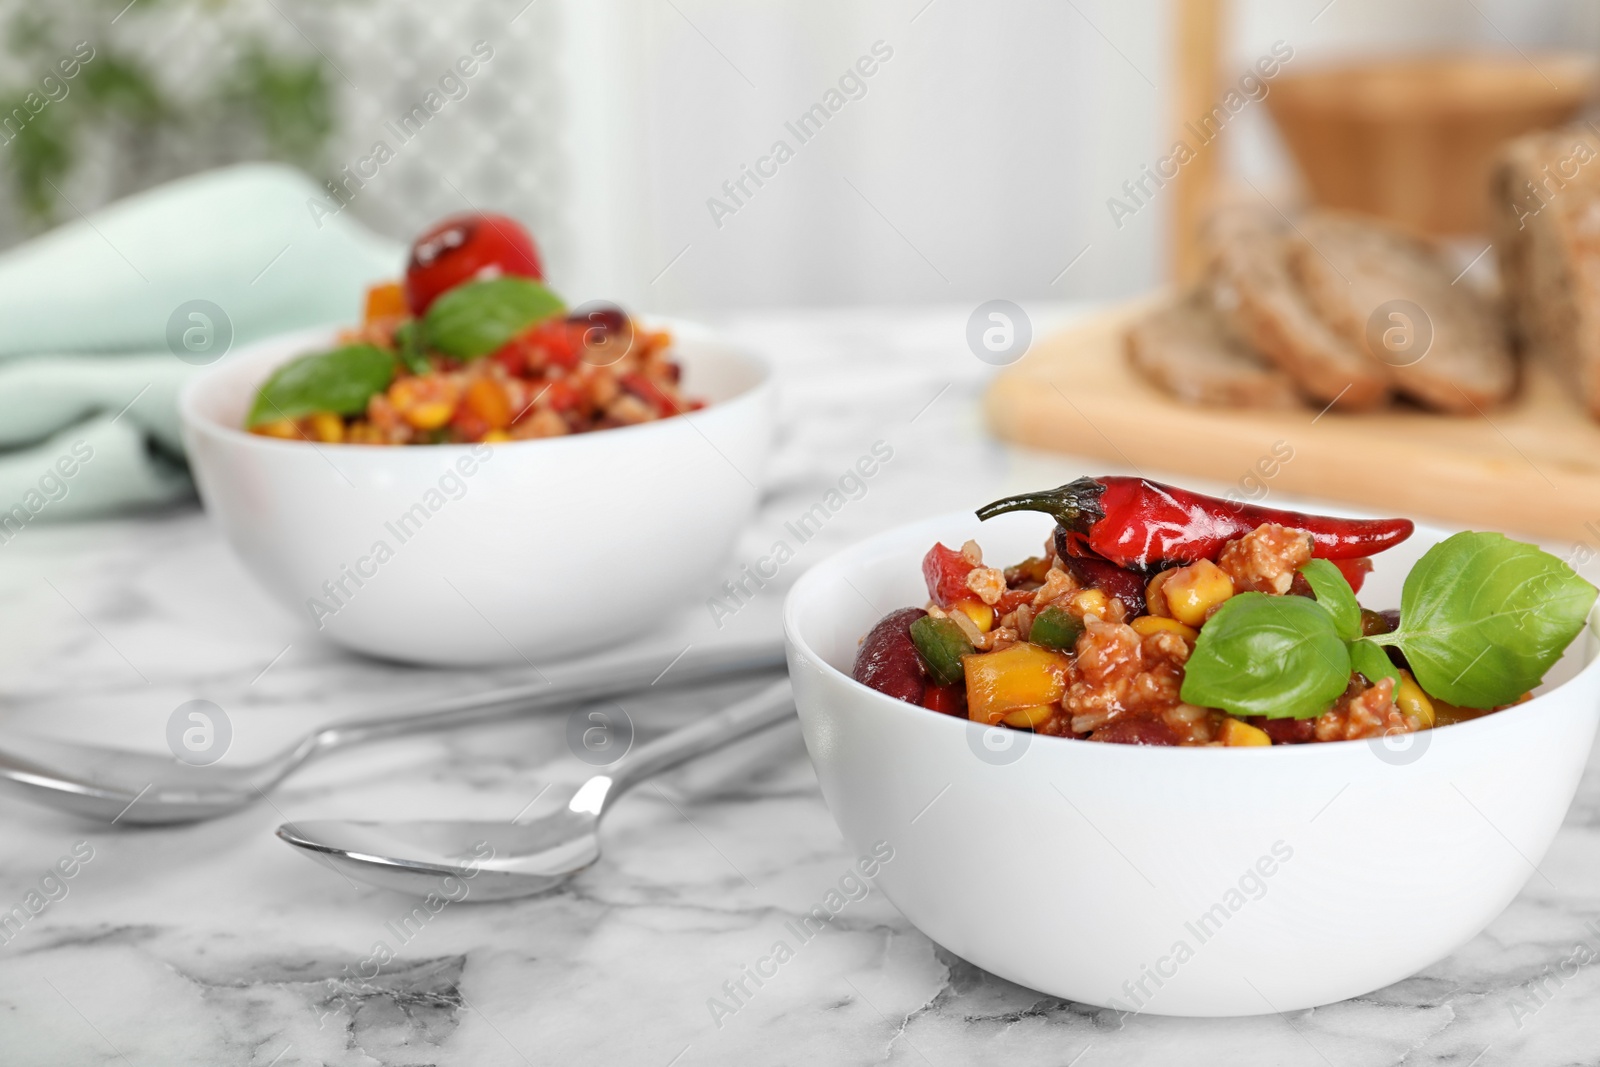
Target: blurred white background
{"points": [[977, 164]]}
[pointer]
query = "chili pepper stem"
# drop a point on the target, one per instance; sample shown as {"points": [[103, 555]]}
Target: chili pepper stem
{"points": [[1075, 506]]}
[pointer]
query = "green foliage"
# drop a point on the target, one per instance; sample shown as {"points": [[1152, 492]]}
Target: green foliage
{"points": [[289, 99], [1482, 618], [279, 101]]}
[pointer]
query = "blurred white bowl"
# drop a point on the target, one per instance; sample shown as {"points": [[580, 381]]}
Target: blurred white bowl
{"points": [[1171, 880], [523, 551]]}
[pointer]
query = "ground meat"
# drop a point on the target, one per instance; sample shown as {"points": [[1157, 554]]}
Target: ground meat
{"points": [[1120, 675], [1193, 725], [988, 583], [1265, 559], [1363, 711], [1057, 583]]}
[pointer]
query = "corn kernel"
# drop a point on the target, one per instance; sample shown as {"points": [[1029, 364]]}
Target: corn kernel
{"points": [[1145, 625], [1195, 591], [1027, 718], [1088, 602], [288, 429], [1411, 700], [327, 427], [1236, 734], [1155, 601], [980, 613], [425, 403]]}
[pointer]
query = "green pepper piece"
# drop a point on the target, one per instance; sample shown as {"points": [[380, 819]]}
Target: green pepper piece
{"points": [[1056, 629], [942, 644]]}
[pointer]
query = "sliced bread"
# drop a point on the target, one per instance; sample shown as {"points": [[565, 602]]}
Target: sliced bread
{"points": [[1262, 302], [1393, 298], [1546, 190], [1184, 349]]}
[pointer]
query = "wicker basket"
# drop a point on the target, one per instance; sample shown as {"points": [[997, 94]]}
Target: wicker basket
{"points": [[1412, 139]]}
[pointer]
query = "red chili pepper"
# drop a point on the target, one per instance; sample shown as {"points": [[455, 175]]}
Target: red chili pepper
{"points": [[1145, 525], [1355, 571], [945, 570]]}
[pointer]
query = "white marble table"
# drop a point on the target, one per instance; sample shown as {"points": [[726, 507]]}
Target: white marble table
{"points": [[217, 944]]}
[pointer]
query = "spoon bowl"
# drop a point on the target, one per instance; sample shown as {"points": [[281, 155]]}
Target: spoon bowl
{"points": [[502, 861], [498, 860]]}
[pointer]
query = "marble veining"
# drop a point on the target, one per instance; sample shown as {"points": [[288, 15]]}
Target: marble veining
{"points": [[216, 944]]}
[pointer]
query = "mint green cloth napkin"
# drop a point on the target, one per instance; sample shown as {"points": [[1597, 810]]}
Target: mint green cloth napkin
{"points": [[88, 377]]}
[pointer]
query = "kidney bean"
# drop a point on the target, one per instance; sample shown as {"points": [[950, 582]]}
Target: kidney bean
{"points": [[1285, 731], [1136, 732], [1127, 586], [888, 661]]}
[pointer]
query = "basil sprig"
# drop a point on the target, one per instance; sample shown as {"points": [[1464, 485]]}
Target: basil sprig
{"points": [[1334, 596], [475, 319], [1373, 662], [408, 347], [1278, 656], [341, 381], [1483, 617]]}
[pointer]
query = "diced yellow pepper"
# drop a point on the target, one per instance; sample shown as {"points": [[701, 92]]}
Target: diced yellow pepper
{"points": [[1411, 700], [1235, 734], [1192, 592], [495, 437], [327, 427], [1145, 625], [980, 613], [1027, 718], [1020, 677], [386, 300]]}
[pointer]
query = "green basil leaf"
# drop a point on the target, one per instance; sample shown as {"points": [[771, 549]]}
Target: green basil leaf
{"points": [[1372, 661], [1277, 656], [408, 344], [341, 381], [474, 319], [1483, 617], [1335, 596]]}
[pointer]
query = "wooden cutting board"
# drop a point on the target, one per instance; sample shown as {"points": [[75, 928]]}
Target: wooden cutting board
{"points": [[1531, 466]]}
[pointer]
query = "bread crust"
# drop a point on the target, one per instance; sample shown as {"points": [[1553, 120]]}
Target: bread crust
{"points": [[1256, 292], [1184, 349], [1546, 190], [1353, 269]]}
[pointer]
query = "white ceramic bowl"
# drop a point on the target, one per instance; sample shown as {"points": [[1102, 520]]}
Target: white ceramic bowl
{"points": [[458, 554], [1170, 880]]}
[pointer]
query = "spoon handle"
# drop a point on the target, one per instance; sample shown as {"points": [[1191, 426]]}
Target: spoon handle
{"points": [[767, 708], [578, 682]]}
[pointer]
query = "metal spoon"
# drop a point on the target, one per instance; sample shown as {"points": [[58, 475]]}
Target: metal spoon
{"points": [[502, 861], [143, 789]]}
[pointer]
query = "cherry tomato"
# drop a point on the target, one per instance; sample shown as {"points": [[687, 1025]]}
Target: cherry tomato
{"points": [[463, 248]]}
